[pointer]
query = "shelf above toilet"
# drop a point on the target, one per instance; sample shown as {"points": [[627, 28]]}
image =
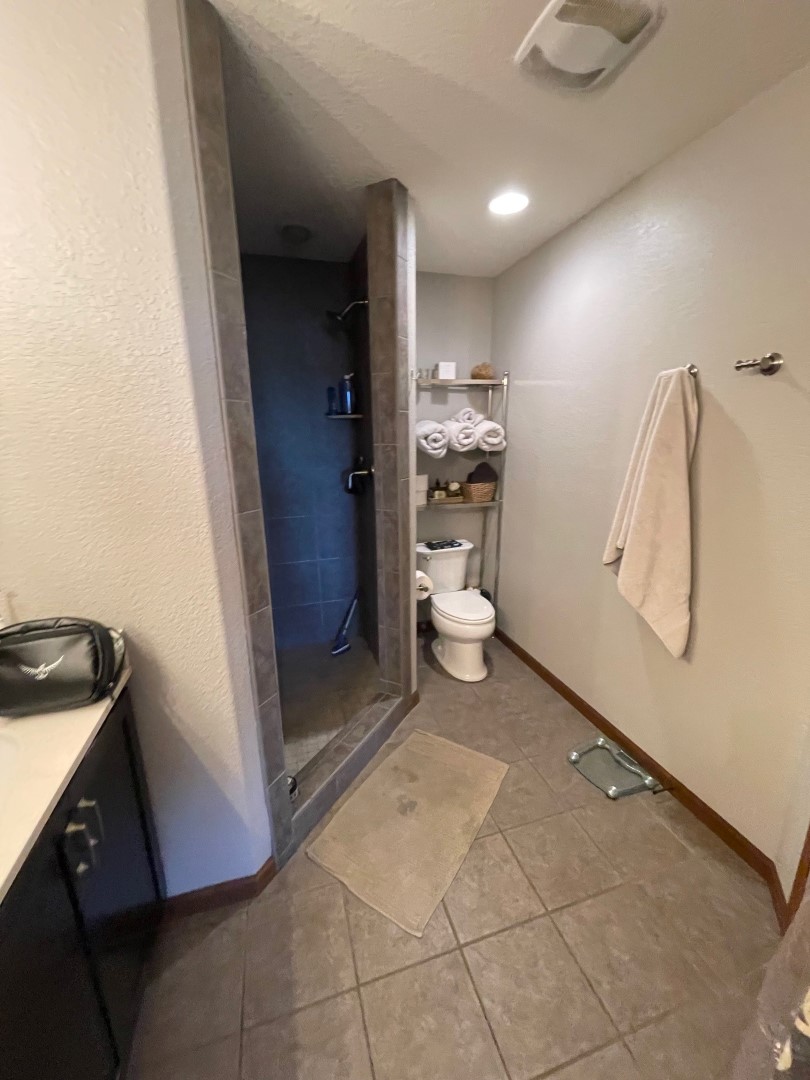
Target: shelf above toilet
{"points": [[442, 505]]}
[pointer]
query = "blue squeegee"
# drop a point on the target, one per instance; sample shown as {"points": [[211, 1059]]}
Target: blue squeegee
{"points": [[342, 643]]}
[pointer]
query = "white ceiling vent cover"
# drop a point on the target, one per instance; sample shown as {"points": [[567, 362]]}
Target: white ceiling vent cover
{"points": [[577, 44]]}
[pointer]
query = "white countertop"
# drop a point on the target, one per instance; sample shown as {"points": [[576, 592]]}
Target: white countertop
{"points": [[38, 757]]}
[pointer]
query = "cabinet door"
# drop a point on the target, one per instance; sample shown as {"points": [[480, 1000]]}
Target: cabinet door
{"points": [[110, 866], [51, 1022]]}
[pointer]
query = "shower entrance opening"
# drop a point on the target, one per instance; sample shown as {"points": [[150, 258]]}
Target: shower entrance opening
{"points": [[307, 328]]}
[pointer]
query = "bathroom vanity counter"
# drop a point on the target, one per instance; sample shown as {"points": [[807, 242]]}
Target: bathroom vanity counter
{"points": [[38, 757]]}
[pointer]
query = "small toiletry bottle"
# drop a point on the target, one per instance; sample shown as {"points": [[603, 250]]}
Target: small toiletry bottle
{"points": [[331, 401], [346, 394]]}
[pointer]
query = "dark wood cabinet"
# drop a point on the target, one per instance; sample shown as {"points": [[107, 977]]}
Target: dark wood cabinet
{"points": [[51, 1024], [79, 919]]}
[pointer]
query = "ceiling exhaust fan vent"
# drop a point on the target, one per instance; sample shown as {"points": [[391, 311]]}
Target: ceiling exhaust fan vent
{"points": [[578, 44]]}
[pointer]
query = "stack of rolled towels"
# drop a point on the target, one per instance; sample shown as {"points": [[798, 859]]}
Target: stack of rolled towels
{"points": [[467, 430]]}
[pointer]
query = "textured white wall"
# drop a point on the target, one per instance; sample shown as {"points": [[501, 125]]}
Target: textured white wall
{"points": [[115, 491], [455, 320], [704, 259]]}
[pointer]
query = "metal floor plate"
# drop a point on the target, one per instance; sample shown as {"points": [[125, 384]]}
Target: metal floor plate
{"points": [[609, 768]]}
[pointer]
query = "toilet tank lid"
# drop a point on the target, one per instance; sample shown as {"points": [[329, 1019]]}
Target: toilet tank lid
{"points": [[464, 545], [467, 606]]}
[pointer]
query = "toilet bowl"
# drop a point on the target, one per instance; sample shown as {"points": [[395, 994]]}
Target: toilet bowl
{"points": [[462, 617]]}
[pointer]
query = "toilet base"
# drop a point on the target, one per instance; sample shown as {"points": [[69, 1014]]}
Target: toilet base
{"points": [[464, 660]]}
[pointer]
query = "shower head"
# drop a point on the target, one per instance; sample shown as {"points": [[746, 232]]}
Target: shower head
{"points": [[341, 316]]}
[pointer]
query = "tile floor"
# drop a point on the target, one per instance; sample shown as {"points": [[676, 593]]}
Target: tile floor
{"points": [[581, 940], [320, 695]]}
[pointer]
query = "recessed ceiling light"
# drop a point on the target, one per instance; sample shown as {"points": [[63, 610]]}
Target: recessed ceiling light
{"points": [[510, 202]]}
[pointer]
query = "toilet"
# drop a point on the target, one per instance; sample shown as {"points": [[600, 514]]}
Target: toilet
{"points": [[462, 617]]}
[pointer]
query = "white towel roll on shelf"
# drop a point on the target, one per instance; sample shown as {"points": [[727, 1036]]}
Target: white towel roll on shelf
{"points": [[431, 438]]}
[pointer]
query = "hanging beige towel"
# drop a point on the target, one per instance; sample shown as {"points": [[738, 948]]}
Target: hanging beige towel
{"points": [[651, 533]]}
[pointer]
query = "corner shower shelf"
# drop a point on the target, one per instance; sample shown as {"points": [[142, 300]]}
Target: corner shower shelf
{"points": [[344, 416], [440, 504]]}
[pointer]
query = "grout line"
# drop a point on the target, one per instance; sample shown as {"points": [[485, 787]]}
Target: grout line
{"points": [[580, 1057], [475, 991], [572, 955], [587, 979], [357, 983], [244, 992]]}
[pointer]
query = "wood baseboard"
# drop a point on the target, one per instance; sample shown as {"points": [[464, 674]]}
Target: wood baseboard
{"points": [[730, 836], [220, 895]]}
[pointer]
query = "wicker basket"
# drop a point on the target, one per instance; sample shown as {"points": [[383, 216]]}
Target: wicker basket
{"points": [[478, 493]]}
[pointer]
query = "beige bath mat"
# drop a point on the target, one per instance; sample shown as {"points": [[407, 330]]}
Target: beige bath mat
{"points": [[402, 836]]}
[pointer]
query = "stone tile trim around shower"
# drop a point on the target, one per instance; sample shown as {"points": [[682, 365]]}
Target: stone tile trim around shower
{"points": [[207, 100], [387, 252], [207, 96], [229, 311], [254, 560], [272, 737]]}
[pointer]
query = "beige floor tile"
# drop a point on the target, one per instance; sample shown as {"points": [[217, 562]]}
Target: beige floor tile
{"points": [[490, 891], [419, 719], [561, 860], [488, 827], [570, 787], [215, 1061], [700, 1039], [538, 730], [702, 841], [476, 729], [732, 930], [638, 963], [298, 952], [323, 1042], [502, 663], [612, 1063], [381, 947], [507, 697], [425, 1023], [542, 1011], [299, 875], [632, 837], [522, 797], [194, 989]]}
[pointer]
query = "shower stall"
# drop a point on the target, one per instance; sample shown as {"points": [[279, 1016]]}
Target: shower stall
{"points": [[306, 331], [311, 534]]}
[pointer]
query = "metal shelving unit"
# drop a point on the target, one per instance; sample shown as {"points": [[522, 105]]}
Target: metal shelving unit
{"points": [[490, 386], [454, 504]]}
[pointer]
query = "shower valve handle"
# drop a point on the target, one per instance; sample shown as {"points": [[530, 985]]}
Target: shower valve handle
{"points": [[350, 479]]}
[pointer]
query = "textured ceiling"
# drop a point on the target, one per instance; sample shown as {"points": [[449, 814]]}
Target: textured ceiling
{"points": [[325, 97]]}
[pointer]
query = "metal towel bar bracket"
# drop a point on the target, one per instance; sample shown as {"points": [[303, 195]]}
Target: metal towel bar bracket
{"points": [[768, 364]]}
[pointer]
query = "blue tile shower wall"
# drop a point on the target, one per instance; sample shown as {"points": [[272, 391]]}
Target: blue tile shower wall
{"points": [[311, 523]]}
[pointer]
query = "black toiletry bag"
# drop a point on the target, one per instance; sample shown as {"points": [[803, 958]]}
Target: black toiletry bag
{"points": [[51, 664]]}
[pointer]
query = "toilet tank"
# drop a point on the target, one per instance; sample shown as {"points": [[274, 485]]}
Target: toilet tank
{"points": [[447, 569]]}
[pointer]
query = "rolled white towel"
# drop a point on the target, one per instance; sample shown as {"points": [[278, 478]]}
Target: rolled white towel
{"points": [[490, 436], [463, 436], [469, 416], [432, 438]]}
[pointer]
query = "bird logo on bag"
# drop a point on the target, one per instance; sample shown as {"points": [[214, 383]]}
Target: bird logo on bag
{"points": [[41, 672]]}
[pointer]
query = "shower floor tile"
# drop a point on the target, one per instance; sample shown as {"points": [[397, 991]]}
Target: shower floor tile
{"points": [[320, 694]]}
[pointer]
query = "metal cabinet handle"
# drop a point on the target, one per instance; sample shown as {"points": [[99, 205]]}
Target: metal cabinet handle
{"points": [[76, 830], [92, 804]]}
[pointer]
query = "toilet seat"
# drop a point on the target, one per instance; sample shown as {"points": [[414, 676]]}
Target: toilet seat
{"points": [[463, 607]]}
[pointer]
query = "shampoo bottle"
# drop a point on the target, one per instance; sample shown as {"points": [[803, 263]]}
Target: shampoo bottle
{"points": [[346, 394]]}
